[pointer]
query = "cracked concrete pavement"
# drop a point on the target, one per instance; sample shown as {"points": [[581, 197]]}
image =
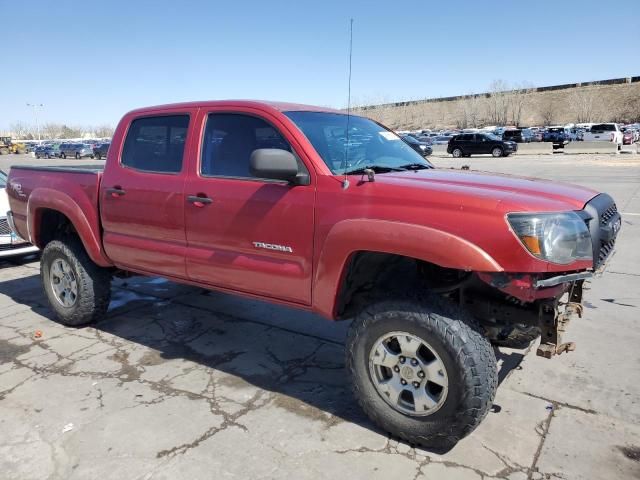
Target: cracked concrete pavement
{"points": [[179, 382]]}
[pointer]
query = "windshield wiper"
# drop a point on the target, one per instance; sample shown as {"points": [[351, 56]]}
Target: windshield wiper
{"points": [[375, 168], [414, 166]]}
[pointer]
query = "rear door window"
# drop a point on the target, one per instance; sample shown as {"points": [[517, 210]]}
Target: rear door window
{"points": [[156, 144]]}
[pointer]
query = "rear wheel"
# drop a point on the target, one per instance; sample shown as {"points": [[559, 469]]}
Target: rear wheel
{"points": [[97, 156], [421, 370], [497, 152], [457, 152], [77, 156], [62, 155], [78, 290]]}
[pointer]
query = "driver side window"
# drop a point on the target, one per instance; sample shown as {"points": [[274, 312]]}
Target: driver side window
{"points": [[230, 139]]}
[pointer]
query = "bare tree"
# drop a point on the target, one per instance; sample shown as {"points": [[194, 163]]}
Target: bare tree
{"points": [[20, 129], [51, 130], [548, 112], [469, 111], [498, 102], [517, 101], [103, 131], [583, 104]]}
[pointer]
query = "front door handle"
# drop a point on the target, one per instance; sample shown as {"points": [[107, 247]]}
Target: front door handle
{"points": [[116, 191], [199, 200]]}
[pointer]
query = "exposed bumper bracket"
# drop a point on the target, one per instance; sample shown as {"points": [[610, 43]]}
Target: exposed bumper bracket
{"points": [[554, 323], [553, 281]]}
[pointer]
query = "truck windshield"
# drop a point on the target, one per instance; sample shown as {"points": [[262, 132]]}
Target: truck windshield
{"points": [[369, 144]]}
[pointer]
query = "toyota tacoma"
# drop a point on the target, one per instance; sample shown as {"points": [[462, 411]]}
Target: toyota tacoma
{"points": [[332, 213]]}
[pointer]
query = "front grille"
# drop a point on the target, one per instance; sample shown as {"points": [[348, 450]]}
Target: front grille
{"points": [[603, 223], [4, 227], [608, 213]]}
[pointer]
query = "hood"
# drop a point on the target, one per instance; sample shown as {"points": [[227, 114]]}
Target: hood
{"points": [[504, 192]]}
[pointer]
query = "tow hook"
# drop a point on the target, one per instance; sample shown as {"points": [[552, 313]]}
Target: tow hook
{"points": [[554, 326]]}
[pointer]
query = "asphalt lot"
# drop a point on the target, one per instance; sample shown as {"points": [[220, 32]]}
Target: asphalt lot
{"points": [[178, 382]]}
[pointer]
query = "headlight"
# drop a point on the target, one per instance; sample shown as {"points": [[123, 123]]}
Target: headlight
{"points": [[556, 237]]}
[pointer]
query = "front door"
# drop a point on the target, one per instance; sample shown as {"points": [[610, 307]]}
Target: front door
{"points": [[244, 233], [142, 197]]}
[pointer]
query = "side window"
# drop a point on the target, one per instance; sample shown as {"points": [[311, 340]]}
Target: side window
{"points": [[156, 144], [229, 141]]}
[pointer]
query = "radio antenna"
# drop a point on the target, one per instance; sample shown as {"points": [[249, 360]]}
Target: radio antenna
{"points": [[345, 182]]}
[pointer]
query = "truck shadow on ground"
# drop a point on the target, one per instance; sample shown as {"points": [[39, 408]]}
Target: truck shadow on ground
{"points": [[302, 372]]}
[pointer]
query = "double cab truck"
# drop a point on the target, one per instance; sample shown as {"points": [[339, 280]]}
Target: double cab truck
{"points": [[332, 213], [605, 132]]}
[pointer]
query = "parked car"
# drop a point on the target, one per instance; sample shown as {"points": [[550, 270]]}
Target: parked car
{"points": [[431, 265], [468, 144], [558, 136], [604, 132], [627, 138], [75, 150], [519, 135], [47, 151], [11, 244], [100, 150], [441, 140], [422, 148]]}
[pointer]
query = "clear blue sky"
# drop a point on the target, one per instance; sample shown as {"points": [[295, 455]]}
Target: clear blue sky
{"points": [[90, 61]]}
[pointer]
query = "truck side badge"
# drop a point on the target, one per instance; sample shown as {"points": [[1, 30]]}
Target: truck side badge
{"points": [[271, 246]]}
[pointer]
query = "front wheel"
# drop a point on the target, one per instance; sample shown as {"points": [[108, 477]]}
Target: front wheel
{"points": [[78, 290], [97, 155], [497, 152], [421, 370], [62, 155], [457, 153], [77, 156]]}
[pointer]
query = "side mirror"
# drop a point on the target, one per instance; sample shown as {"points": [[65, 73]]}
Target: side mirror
{"points": [[277, 164]]}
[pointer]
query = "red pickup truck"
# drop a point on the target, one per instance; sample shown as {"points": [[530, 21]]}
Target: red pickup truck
{"points": [[334, 213]]}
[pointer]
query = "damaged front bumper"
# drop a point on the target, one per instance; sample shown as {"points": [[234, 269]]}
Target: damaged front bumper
{"points": [[547, 303]]}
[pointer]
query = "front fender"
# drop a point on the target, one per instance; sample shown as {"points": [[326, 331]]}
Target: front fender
{"points": [[415, 241], [82, 214]]}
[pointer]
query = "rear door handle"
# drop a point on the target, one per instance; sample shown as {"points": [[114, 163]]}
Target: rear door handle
{"points": [[116, 192], [199, 201]]}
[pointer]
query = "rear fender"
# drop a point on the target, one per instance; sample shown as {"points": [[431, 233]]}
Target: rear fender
{"points": [[415, 241], [81, 213]]}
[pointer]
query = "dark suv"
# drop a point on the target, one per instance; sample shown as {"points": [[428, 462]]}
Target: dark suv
{"points": [[468, 144], [100, 150], [519, 135]]}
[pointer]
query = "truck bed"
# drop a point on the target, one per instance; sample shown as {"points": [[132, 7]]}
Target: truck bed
{"points": [[73, 191]]}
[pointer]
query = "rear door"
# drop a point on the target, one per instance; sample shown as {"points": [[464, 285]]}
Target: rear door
{"points": [[478, 143], [142, 197], [245, 233]]}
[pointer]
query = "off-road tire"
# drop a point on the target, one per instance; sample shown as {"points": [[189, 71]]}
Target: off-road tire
{"points": [[94, 283], [467, 355], [457, 153]]}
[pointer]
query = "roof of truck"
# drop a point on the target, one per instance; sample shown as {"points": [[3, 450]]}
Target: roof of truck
{"points": [[280, 106]]}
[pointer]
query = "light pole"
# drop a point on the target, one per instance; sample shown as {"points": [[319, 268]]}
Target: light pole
{"points": [[35, 107]]}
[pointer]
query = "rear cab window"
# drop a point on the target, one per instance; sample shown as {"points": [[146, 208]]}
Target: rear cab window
{"points": [[156, 143]]}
